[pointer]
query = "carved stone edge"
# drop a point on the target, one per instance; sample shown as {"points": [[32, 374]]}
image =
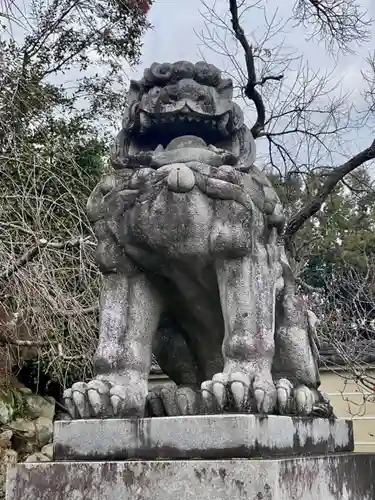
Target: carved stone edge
{"points": [[200, 437]]}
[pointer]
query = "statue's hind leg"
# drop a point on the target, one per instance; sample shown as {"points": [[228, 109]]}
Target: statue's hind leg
{"points": [[129, 315], [182, 395], [295, 367]]}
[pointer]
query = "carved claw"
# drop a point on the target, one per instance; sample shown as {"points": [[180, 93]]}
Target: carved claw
{"points": [[208, 397], [172, 400], [301, 400], [98, 396], [116, 405], [322, 407], [188, 401], [127, 401], [220, 381], [69, 403], [284, 390], [162, 401], [79, 392], [240, 387], [154, 404], [232, 391], [265, 395], [304, 400], [169, 399]]}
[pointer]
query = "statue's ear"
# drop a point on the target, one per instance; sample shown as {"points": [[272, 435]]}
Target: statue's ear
{"points": [[134, 95], [225, 88], [135, 90], [247, 148]]}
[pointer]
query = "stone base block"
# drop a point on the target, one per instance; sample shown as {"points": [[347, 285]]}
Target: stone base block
{"points": [[335, 477], [200, 437]]}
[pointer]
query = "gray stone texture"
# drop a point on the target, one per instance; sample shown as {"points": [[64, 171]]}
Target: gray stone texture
{"points": [[338, 477], [188, 228], [208, 437]]}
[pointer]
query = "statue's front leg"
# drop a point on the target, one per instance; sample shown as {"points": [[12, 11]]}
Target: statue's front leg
{"points": [[247, 293], [129, 315]]}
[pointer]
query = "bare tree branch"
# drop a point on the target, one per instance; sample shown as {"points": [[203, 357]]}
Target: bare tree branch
{"points": [[339, 23], [33, 251], [250, 90], [307, 287], [337, 174]]}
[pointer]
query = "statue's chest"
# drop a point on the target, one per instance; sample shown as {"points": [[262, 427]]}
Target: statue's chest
{"points": [[172, 223], [187, 224]]}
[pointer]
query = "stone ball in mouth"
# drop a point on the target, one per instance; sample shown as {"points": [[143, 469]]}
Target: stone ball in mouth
{"points": [[181, 178]]}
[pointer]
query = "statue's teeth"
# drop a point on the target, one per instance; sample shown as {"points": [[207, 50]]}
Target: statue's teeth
{"points": [[222, 124]]}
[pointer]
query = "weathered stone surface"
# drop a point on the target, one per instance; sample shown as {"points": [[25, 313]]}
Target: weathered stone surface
{"points": [[216, 436], [6, 412], [189, 228], [339, 477], [37, 457], [39, 406], [24, 428], [44, 431], [5, 439], [8, 459], [47, 450], [31, 435]]}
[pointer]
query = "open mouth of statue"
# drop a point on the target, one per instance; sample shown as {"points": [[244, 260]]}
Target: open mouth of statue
{"points": [[161, 128]]}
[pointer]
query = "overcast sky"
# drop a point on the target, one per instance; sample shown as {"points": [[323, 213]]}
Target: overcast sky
{"points": [[176, 24]]}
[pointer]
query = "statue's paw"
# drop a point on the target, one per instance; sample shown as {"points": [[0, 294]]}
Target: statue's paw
{"points": [[162, 402], [171, 400], [88, 400], [301, 400], [189, 401], [294, 400], [265, 394], [128, 401], [104, 399], [226, 392], [239, 392], [285, 403], [304, 399]]}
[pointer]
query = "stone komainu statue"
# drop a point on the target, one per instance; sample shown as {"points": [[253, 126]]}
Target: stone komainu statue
{"points": [[193, 265]]}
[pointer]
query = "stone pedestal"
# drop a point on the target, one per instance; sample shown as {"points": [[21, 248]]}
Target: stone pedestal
{"points": [[203, 437], [338, 477], [199, 458]]}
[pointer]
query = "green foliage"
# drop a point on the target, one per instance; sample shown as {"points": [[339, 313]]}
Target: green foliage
{"points": [[334, 253], [61, 84], [340, 234]]}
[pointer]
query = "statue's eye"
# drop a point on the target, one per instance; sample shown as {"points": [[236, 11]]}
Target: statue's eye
{"points": [[164, 97], [155, 91]]}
